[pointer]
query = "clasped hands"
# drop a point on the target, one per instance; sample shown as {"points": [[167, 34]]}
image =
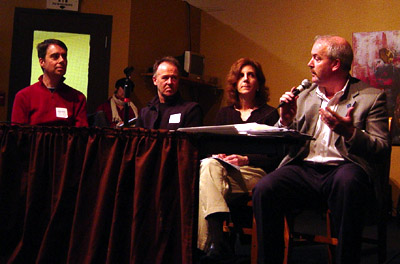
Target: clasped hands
{"points": [[233, 159]]}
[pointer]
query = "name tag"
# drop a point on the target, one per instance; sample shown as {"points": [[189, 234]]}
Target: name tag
{"points": [[175, 118], [61, 112]]}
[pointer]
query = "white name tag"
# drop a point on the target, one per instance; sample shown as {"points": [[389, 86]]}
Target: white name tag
{"points": [[61, 112], [175, 118]]}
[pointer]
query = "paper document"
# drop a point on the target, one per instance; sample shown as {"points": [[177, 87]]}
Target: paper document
{"points": [[247, 129]]}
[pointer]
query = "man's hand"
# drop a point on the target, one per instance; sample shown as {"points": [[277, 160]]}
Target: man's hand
{"points": [[341, 125], [120, 124], [289, 109], [234, 159]]}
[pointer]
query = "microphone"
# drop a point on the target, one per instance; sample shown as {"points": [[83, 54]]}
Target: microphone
{"points": [[305, 84]]}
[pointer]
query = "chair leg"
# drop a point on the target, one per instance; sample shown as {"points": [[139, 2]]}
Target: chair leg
{"points": [[329, 236], [286, 236], [290, 235], [254, 244]]}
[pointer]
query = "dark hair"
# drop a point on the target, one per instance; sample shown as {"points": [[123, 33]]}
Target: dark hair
{"points": [[121, 83], [168, 59], [262, 94], [42, 46], [338, 48]]}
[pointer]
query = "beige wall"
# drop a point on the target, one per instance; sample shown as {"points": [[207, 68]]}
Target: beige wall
{"points": [[121, 12], [285, 37]]}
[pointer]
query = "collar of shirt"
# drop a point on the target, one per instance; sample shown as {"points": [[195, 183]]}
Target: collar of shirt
{"points": [[335, 99]]}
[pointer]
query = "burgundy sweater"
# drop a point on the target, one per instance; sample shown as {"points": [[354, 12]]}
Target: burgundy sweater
{"points": [[37, 105]]}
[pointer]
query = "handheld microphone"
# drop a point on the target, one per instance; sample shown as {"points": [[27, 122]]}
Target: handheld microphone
{"points": [[305, 84]]}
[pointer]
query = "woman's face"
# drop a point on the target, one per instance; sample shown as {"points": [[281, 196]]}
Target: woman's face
{"points": [[247, 83]]}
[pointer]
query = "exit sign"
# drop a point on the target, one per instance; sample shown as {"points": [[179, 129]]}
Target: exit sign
{"points": [[70, 5]]}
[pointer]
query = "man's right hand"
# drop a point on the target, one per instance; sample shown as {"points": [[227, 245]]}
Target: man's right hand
{"points": [[289, 109]]}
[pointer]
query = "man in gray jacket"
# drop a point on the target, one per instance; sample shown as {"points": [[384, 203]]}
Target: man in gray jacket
{"points": [[349, 122]]}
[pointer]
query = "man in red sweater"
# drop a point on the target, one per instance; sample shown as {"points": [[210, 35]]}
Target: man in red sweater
{"points": [[50, 101]]}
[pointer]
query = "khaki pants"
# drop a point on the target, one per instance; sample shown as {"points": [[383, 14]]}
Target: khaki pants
{"points": [[217, 181]]}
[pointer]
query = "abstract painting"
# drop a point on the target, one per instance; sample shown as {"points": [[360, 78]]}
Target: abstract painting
{"points": [[377, 62]]}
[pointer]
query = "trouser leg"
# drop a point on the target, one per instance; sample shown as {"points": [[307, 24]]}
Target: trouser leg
{"points": [[212, 189], [273, 195], [216, 183], [348, 190]]}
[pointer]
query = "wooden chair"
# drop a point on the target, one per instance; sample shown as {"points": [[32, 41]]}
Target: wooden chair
{"points": [[294, 238]]}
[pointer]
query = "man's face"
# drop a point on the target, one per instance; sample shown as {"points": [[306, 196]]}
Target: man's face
{"points": [[120, 93], [166, 79], [320, 65], [55, 61]]}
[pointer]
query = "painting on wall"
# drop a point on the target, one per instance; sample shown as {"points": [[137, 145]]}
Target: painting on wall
{"points": [[377, 62]]}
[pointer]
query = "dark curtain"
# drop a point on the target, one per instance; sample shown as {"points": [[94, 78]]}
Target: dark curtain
{"points": [[88, 195]]}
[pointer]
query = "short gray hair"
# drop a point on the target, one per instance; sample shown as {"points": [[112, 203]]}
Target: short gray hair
{"points": [[338, 48], [168, 59]]}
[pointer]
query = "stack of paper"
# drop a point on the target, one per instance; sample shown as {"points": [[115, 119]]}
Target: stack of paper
{"points": [[250, 129]]}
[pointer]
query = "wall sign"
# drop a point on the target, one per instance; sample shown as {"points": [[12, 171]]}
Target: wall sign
{"points": [[70, 5]]}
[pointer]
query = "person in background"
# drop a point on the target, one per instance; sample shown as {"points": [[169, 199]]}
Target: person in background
{"points": [[114, 107], [168, 110], [247, 102], [50, 101], [349, 122]]}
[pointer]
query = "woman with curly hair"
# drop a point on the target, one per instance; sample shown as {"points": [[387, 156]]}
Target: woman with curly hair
{"points": [[247, 98]]}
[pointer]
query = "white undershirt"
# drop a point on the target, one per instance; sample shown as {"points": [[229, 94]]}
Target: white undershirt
{"points": [[322, 149]]}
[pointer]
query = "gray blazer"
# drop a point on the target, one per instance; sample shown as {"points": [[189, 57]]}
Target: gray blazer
{"points": [[369, 148]]}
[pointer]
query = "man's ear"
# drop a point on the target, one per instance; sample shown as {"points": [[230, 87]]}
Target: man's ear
{"points": [[41, 62], [155, 81], [336, 65]]}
